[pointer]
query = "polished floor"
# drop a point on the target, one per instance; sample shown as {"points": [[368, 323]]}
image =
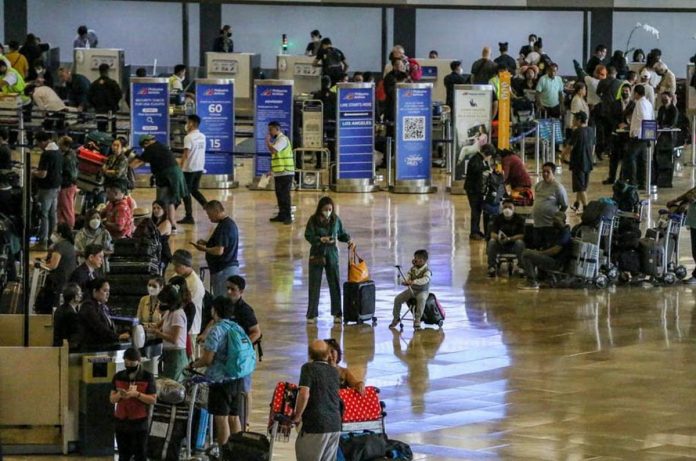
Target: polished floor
{"points": [[556, 375]]}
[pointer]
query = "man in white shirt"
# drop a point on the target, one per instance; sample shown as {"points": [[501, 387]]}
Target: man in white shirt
{"points": [[633, 166], [193, 165], [86, 38]]}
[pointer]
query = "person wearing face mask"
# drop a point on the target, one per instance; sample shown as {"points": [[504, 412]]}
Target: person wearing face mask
{"points": [[90, 269], [148, 308], [456, 77], [506, 236], [223, 43], [65, 321], [133, 391], [324, 230], [621, 112], [552, 256], [172, 329], [417, 282], [97, 330], [164, 226], [93, 233], [61, 262], [314, 43]]}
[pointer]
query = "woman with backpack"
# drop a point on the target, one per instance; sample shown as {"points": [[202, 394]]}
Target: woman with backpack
{"points": [[164, 226]]}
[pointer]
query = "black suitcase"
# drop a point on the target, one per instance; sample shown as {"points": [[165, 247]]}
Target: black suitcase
{"points": [[136, 248], [651, 257], [167, 431], [128, 284], [433, 313], [359, 302], [124, 265], [247, 446]]}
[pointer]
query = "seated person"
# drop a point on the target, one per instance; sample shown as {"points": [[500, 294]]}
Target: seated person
{"points": [[551, 258], [346, 377], [506, 236], [88, 270], [92, 233], [118, 214], [418, 282], [516, 175], [65, 321], [96, 327]]}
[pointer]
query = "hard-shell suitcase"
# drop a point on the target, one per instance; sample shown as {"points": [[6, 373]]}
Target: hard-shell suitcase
{"points": [[651, 257], [127, 265], [585, 259], [89, 161], [247, 446], [359, 302], [283, 405], [362, 411], [167, 431], [433, 313]]}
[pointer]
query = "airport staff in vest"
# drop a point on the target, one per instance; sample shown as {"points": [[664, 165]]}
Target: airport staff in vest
{"points": [[283, 168], [11, 81]]}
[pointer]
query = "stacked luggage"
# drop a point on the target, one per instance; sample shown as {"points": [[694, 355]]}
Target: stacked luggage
{"points": [[134, 261], [659, 249], [90, 159]]}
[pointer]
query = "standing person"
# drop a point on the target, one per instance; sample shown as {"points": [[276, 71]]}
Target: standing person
{"points": [[104, 96], [314, 43], [483, 69], [176, 80], [526, 49], [183, 262], [622, 109], [333, 61], [172, 329], [193, 165], [283, 168], [455, 77], [324, 231], [578, 103], [221, 248], [31, 49], [505, 59], [116, 166], [68, 185], [133, 391], [580, 153], [599, 57], [688, 198], [225, 371], [668, 81], [86, 38], [164, 227], [318, 407], [608, 90], [223, 43], [171, 185], [550, 197], [49, 177], [633, 166], [550, 91], [477, 171], [61, 262], [76, 88], [17, 59]]}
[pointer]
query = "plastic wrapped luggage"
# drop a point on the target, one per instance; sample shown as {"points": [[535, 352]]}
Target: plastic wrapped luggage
{"points": [[359, 302], [167, 431]]}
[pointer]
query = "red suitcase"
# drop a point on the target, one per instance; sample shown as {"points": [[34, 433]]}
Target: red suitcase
{"points": [[89, 162], [282, 409], [362, 412]]}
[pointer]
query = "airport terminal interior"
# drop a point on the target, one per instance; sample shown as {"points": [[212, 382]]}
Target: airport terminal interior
{"points": [[595, 362]]}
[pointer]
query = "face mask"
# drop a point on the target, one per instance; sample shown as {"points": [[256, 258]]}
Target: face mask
{"points": [[157, 214], [95, 223], [460, 71], [55, 238], [153, 291], [163, 307], [327, 214], [132, 369], [507, 212]]}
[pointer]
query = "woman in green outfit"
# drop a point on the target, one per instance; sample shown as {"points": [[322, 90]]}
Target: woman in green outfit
{"points": [[172, 329], [324, 231]]}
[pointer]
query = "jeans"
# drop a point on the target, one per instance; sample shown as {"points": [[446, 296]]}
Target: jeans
{"points": [[48, 198], [333, 278], [218, 280], [495, 248], [404, 296], [317, 447], [693, 247], [633, 165], [283, 186], [131, 445], [66, 205], [476, 204], [532, 260], [193, 180]]}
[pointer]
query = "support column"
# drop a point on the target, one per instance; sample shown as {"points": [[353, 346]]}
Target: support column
{"points": [[15, 20], [601, 29], [405, 29], [210, 25]]}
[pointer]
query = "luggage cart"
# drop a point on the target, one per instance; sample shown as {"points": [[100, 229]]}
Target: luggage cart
{"points": [[38, 280], [588, 256], [666, 234]]}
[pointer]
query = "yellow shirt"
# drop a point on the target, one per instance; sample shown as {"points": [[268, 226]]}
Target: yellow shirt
{"points": [[18, 62]]}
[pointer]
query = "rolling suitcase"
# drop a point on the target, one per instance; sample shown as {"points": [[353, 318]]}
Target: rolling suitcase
{"points": [[247, 446], [651, 257], [129, 284], [433, 313], [359, 302], [362, 411], [167, 431]]}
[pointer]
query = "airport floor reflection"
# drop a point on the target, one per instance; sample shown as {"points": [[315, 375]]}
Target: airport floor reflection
{"points": [[558, 374]]}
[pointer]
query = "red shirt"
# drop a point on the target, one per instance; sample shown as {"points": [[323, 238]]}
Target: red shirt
{"points": [[133, 409], [119, 219], [516, 175]]}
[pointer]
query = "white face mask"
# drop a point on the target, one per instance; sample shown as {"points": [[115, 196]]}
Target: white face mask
{"points": [[327, 214], [153, 291], [95, 223], [508, 212], [55, 237], [157, 214]]}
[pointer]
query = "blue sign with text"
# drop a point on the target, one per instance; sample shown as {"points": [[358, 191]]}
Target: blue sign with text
{"points": [[215, 107], [273, 102], [413, 133], [149, 113], [355, 124], [648, 130]]}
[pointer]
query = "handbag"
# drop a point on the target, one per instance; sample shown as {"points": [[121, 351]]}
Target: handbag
{"points": [[357, 268]]}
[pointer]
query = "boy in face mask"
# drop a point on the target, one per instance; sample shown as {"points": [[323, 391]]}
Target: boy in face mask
{"points": [[506, 236], [418, 282], [133, 390]]}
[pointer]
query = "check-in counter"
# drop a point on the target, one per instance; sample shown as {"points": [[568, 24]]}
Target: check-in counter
{"points": [[300, 70], [435, 71]]}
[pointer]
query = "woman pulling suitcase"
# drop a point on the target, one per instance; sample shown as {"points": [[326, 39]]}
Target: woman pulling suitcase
{"points": [[324, 231]]}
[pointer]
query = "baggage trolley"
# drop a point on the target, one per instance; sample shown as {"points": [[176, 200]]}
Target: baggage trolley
{"points": [[666, 234], [38, 280], [591, 256]]}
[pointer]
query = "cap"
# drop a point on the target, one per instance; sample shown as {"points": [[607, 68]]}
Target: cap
{"points": [[144, 138], [183, 258], [140, 212]]}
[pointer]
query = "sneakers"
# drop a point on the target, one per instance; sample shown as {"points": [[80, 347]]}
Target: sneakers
{"points": [[492, 272], [186, 220], [690, 281], [338, 319], [531, 286], [174, 230], [311, 321], [416, 326], [41, 245]]}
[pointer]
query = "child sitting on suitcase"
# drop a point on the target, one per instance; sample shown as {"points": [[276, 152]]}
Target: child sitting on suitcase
{"points": [[418, 282]]}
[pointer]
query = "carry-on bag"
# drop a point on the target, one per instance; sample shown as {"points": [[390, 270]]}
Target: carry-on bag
{"points": [[357, 268], [359, 302], [433, 313], [247, 446], [167, 431], [651, 257], [361, 407]]}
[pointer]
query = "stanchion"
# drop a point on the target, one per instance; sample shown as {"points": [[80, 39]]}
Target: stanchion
{"points": [[648, 170], [693, 140], [388, 148], [26, 208], [537, 149]]}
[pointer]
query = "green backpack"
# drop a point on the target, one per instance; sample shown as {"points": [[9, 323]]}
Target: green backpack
{"points": [[241, 356]]}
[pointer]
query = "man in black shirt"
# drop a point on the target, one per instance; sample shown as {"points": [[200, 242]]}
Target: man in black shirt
{"points": [[597, 58], [581, 144], [333, 61], [505, 59], [87, 271], [76, 88], [315, 44], [104, 95], [506, 236], [456, 77], [48, 177], [318, 407], [477, 171], [483, 69]]}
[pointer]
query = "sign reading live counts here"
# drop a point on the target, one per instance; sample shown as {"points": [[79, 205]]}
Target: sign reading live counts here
{"points": [[413, 132], [215, 107], [273, 102], [355, 122]]}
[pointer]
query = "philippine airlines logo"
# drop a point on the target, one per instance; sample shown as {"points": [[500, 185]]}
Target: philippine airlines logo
{"points": [[414, 160], [144, 91], [210, 92], [350, 96], [268, 92], [408, 94]]}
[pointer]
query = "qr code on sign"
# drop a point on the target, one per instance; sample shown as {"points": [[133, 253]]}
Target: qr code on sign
{"points": [[414, 128]]}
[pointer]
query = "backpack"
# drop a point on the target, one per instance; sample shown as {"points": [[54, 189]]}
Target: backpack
{"points": [[626, 196], [493, 188], [333, 62], [597, 210], [415, 70], [241, 356]]}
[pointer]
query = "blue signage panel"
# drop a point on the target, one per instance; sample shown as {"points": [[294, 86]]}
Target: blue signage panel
{"points": [[413, 133], [215, 107], [149, 112], [649, 130], [355, 123], [272, 102]]}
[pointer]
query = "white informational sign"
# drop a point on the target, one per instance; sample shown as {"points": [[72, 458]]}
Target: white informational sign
{"points": [[472, 123]]}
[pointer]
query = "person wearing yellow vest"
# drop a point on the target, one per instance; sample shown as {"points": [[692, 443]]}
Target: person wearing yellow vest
{"points": [[283, 168], [11, 81], [176, 81]]}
